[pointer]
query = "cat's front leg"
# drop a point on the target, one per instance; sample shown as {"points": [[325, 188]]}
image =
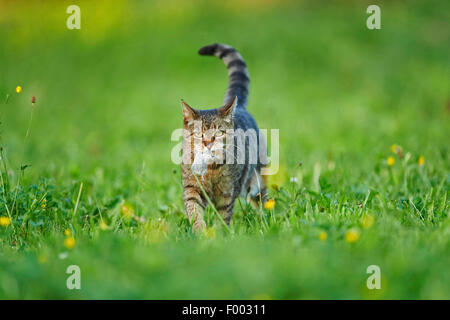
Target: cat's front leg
{"points": [[194, 205], [225, 207]]}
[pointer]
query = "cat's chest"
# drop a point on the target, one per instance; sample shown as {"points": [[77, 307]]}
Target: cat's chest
{"points": [[217, 180]]}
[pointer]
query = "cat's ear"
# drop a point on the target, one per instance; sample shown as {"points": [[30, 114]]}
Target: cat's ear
{"points": [[188, 112], [227, 110]]}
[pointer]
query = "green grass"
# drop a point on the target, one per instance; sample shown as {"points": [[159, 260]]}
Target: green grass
{"points": [[108, 100]]}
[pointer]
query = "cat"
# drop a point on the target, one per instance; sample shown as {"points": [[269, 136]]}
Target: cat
{"points": [[215, 140]]}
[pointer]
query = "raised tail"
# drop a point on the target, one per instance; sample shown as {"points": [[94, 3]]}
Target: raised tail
{"points": [[237, 72]]}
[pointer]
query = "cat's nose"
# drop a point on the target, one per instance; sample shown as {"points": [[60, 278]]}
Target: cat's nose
{"points": [[208, 142]]}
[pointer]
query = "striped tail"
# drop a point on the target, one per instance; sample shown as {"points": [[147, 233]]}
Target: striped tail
{"points": [[237, 72]]}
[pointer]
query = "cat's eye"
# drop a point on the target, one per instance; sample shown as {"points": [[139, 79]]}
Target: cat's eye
{"points": [[219, 133], [198, 134]]}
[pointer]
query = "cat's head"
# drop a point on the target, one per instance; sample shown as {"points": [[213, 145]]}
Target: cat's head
{"points": [[207, 129]]}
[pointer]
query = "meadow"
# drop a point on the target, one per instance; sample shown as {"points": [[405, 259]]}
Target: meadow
{"points": [[86, 171]]}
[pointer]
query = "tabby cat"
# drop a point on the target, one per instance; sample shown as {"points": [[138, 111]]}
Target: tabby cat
{"points": [[209, 135]]}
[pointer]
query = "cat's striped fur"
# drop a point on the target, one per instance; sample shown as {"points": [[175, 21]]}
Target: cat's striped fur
{"points": [[237, 72], [223, 182]]}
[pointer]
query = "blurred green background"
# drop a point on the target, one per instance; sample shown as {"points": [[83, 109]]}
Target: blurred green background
{"points": [[107, 101]]}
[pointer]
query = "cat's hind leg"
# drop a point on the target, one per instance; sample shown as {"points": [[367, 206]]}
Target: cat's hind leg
{"points": [[256, 191], [225, 207]]}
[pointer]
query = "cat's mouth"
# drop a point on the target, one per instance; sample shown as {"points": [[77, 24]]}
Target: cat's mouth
{"points": [[202, 159]]}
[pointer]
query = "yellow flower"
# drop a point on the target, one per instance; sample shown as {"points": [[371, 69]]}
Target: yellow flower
{"points": [[390, 161], [421, 161], [44, 203], [103, 225], [323, 236], [5, 221], [70, 242], [270, 204], [210, 233], [352, 235], [127, 210], [18, 89], [67, 232], [398, 150], [367, 221]]}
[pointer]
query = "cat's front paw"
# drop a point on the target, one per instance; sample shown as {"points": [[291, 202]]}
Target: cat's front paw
{"points": [[199, 225]]}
